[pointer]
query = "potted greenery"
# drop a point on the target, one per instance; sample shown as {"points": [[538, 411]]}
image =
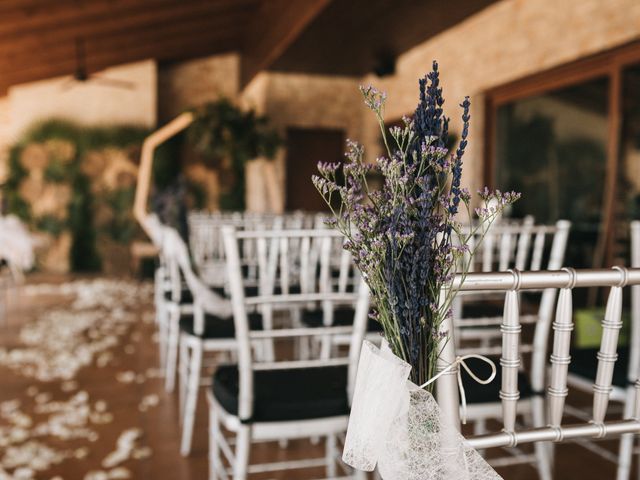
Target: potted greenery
{"points": [[227, 138]]}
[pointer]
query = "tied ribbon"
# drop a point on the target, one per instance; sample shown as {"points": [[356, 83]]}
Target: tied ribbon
{"points": [[461, 361]]}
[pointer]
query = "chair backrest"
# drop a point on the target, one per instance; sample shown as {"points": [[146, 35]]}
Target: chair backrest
{"points": [[242, 305], [205, 234], [566, 281], [523, 245], [529, 246], [179, 267]]}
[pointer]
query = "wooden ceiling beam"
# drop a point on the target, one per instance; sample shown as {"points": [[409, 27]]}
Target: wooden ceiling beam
{"points": [[20, 56], [168, 49], [100, 17], [275, 27]]}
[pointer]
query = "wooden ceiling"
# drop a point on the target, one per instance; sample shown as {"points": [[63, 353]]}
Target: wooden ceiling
{"points": [[39, 38]]}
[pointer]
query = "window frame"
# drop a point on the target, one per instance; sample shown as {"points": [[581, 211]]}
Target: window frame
{"points": [[609, 64]]}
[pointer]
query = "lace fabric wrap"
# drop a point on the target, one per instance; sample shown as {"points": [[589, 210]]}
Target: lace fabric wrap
{"points": [[400, 428]]}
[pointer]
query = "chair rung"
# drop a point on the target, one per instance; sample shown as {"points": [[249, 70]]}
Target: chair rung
{"points": [[597, 449], [549, 434], [287, 465], [226, 449], [511, 460], [299, 332], [284, 365]]}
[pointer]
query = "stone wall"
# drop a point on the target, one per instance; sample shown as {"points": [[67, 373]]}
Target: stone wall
{"points": [[189, 84], [509, 40], [89, 103]]}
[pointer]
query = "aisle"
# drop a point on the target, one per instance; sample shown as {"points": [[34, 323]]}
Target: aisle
{"points": [[81, 396]]}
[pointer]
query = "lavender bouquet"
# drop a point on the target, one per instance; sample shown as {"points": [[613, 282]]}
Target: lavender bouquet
{"points": [[406, 237]]}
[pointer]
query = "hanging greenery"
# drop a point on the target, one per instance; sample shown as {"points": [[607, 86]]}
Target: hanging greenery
{"points": [[227, 138]]}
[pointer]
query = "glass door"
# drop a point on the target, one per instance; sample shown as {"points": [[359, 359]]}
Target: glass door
{"points": [[552, 147]]}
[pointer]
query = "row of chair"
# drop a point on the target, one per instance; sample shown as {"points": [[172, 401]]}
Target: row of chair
{"points": [[291, 315]]}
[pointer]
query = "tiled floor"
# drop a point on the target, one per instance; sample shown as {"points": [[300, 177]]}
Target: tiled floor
{"points": [[112, 418]]}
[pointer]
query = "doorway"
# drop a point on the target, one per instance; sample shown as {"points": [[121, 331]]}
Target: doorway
{"points": [[305, 148]]}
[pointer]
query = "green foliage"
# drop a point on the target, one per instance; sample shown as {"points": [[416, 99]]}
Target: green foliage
{"points": [[166, 162], [50, 224], [17, 172], [221, 132], [15, 203], [198, 193], [122, 226], [85, 138], [84, 254], [57, 171]]}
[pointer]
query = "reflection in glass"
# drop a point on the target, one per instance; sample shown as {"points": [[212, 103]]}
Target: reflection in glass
{"points": [[629, 179], [552, 148]]}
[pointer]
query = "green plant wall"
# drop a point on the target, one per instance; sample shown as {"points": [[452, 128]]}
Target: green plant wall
{"points": [[70, 172]]}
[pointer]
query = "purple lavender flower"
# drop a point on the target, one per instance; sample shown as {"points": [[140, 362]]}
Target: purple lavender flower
{"points": [[402, 235]]}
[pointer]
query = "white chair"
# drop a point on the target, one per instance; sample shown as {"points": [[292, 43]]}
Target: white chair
{"points": [[625, 373], [553, 429], [209, 327], [273, 261], [282, 398], [522, 246], [162, 296]]}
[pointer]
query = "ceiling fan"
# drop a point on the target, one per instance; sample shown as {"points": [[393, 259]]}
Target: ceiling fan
{"points": [[81, 75]]}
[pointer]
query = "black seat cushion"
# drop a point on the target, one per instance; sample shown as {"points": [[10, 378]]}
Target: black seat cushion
{"points": [[252, 291], [292, 394], [584, 363], [478, 393], [482, 309], [217, 327], [342, 316], [186, 298]]}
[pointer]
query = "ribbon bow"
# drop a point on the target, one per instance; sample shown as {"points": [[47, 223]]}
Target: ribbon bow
{"points": [[461, 361]]}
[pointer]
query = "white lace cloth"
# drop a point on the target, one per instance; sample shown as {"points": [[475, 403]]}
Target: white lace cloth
{"points": [[16, 244], [399, 427]]}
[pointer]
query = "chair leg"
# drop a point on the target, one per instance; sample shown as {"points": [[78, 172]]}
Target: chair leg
{"points": [[191, 399], [183, 374], [330, 453], [243, 446], [480, 428], [214, 451], [172, 350], [625, 452], [161, 320], [625, 457], [542, 450]]}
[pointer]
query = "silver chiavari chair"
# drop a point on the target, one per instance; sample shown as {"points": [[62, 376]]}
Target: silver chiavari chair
{"points": [[565, 281], [626, 372], [529, 247], [282, 397], [523, 246]]}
